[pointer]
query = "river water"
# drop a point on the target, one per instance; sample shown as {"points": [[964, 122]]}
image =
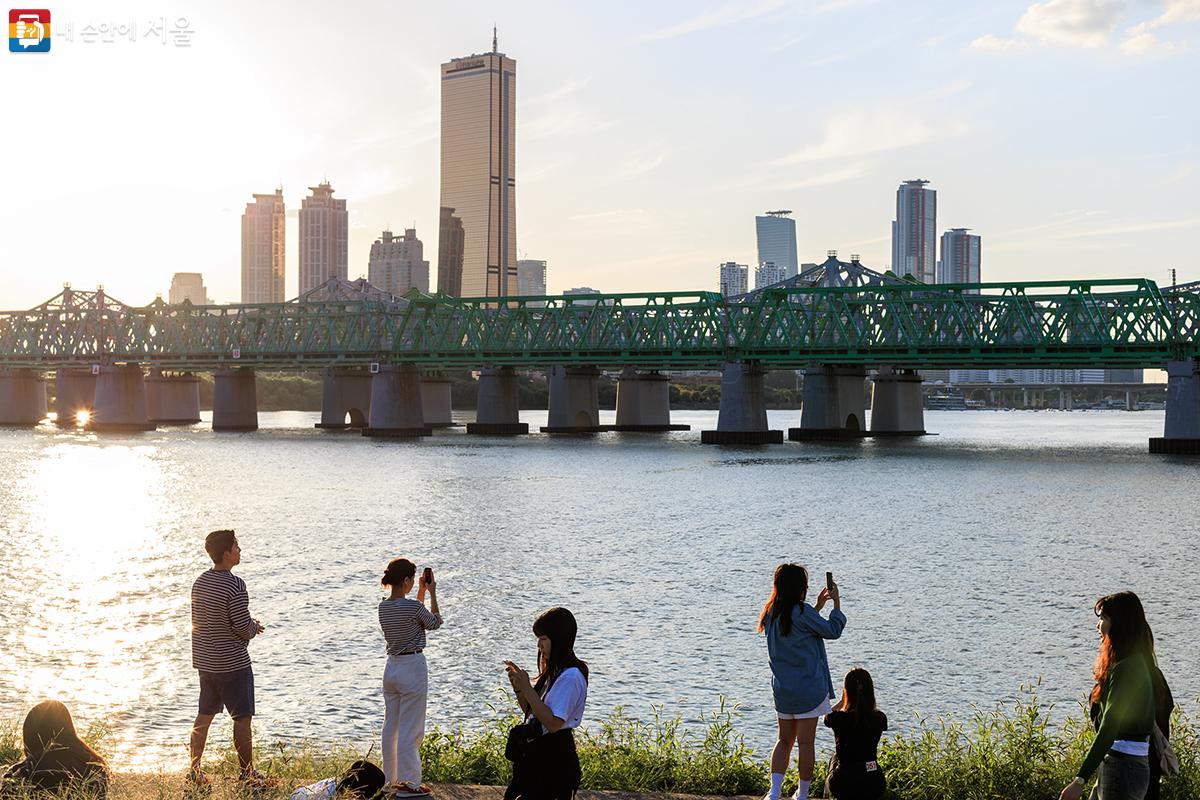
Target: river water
{"points": [[969, 562]]}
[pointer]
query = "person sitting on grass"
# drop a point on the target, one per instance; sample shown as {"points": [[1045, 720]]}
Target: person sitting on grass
{"points": [[854, 772], [362, 780], [56, 759]]}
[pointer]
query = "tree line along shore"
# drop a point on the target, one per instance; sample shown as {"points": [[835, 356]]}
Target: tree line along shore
{"points": [[1014, 750]]}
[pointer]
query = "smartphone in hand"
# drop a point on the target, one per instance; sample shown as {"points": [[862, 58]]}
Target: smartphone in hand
{"points": [[428, 575], [829, 581]]}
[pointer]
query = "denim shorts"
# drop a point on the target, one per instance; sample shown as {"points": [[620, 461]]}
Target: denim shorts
{"points": [[231, 690], [1122, 777]]}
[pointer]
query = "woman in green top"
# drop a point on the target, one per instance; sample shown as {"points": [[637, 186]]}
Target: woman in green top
{"points": [[1124, 694]]}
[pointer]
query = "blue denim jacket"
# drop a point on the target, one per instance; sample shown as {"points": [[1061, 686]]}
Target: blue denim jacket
{"points": [[799, 666]]}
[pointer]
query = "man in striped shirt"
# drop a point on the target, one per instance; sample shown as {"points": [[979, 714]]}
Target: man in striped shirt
{"points": [[221, 629]]}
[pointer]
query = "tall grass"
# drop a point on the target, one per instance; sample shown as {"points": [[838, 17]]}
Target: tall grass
{"points": [[1013, 750]]}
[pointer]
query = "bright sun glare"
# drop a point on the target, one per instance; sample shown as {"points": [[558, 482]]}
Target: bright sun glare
{"points": [[82, 417]]}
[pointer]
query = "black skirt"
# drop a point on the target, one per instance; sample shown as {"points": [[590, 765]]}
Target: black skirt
{"points": [[547, 770], [854, 782]]}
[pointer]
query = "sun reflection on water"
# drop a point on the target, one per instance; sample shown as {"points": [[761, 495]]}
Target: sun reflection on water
{"points": [[90, 554]]}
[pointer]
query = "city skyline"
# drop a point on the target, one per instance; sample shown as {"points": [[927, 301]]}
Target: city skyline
{"points": [[615, 191]]}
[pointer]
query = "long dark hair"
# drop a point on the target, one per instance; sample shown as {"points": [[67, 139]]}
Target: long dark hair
{"points": [[788, 591], [558, 624], [858, 695], [51, 742], [1128, 635]]}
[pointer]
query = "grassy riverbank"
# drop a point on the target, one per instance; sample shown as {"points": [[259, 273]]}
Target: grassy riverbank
{"points": [[1011, 751]]}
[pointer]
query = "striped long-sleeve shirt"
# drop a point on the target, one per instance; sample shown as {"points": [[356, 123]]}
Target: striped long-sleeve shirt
{"points": [[404, 623], [221, 622]]}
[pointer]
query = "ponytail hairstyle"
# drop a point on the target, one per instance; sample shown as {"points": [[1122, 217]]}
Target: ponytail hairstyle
{"points": [[398, 570], [1128, 635], [558, 624], [858, 696], [788, 591]]}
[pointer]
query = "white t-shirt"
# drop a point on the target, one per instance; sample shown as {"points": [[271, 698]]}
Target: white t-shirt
{"points": [[321, 790], [567, 697]]}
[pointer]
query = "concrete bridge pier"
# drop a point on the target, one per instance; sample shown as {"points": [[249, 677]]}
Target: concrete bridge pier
{"points": [[1131, 400], [345, 391], [742, 417], [172, 399], [436, 406], [574, 400], [834, 405], [120, 403], [74, 393], [1181, 431], [497, 412], [22, 397], [644, 402], [235, 400], [396, 411], [897, 404]]}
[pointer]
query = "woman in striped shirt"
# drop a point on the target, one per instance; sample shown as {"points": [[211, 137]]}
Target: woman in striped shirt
{"points": [[406, 677]]}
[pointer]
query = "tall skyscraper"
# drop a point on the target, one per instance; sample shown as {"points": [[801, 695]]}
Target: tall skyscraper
{"points": [[960, 257], [776, 234], [531, 277], [262, 249], [398, 264], [477, 241], [324, 237], [768, 273], [188, 286], [914, 231], [734, 278]]}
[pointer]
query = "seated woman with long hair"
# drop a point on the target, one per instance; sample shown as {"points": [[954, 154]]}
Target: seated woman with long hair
{"points": [[542, 749], [56, 759], [857, 725]]}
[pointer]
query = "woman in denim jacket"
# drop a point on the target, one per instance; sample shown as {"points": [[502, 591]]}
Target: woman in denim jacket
{"points": [[796, 634]]}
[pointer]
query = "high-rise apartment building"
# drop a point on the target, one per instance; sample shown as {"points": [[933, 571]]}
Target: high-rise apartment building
{"points": [[914, 231], [734, 278], [477, 239], [188, 286], [324, 238], [397, 263], [769, 273], [960, 257], [776, 235], [531, 277], [262, 249]]}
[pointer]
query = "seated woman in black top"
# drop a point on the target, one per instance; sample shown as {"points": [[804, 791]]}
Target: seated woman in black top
{"points": [[56, 759], [854, 772]]}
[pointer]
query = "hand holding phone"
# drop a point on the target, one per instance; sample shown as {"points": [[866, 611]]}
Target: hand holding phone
{"points": [[829, 581]]}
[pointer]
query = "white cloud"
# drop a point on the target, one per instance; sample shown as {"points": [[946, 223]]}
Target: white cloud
{"points": [[1142, 41], [1077, 23], [826, 179], [729, 14], [998, 45], [863, 132]]}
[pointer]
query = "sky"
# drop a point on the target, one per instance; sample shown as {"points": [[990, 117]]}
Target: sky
{"points": [[649, 135]]}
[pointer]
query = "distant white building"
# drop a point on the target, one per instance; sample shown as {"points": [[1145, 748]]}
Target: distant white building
{"points": [[188, 286], [734, 279], [960, 257], [578, 290], [768, 274], [397, 263], [914, 231], [531, 277], [775, 233]]}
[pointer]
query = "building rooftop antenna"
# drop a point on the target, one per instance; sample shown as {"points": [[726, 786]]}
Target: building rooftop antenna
{"points": [[495, 45]]}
